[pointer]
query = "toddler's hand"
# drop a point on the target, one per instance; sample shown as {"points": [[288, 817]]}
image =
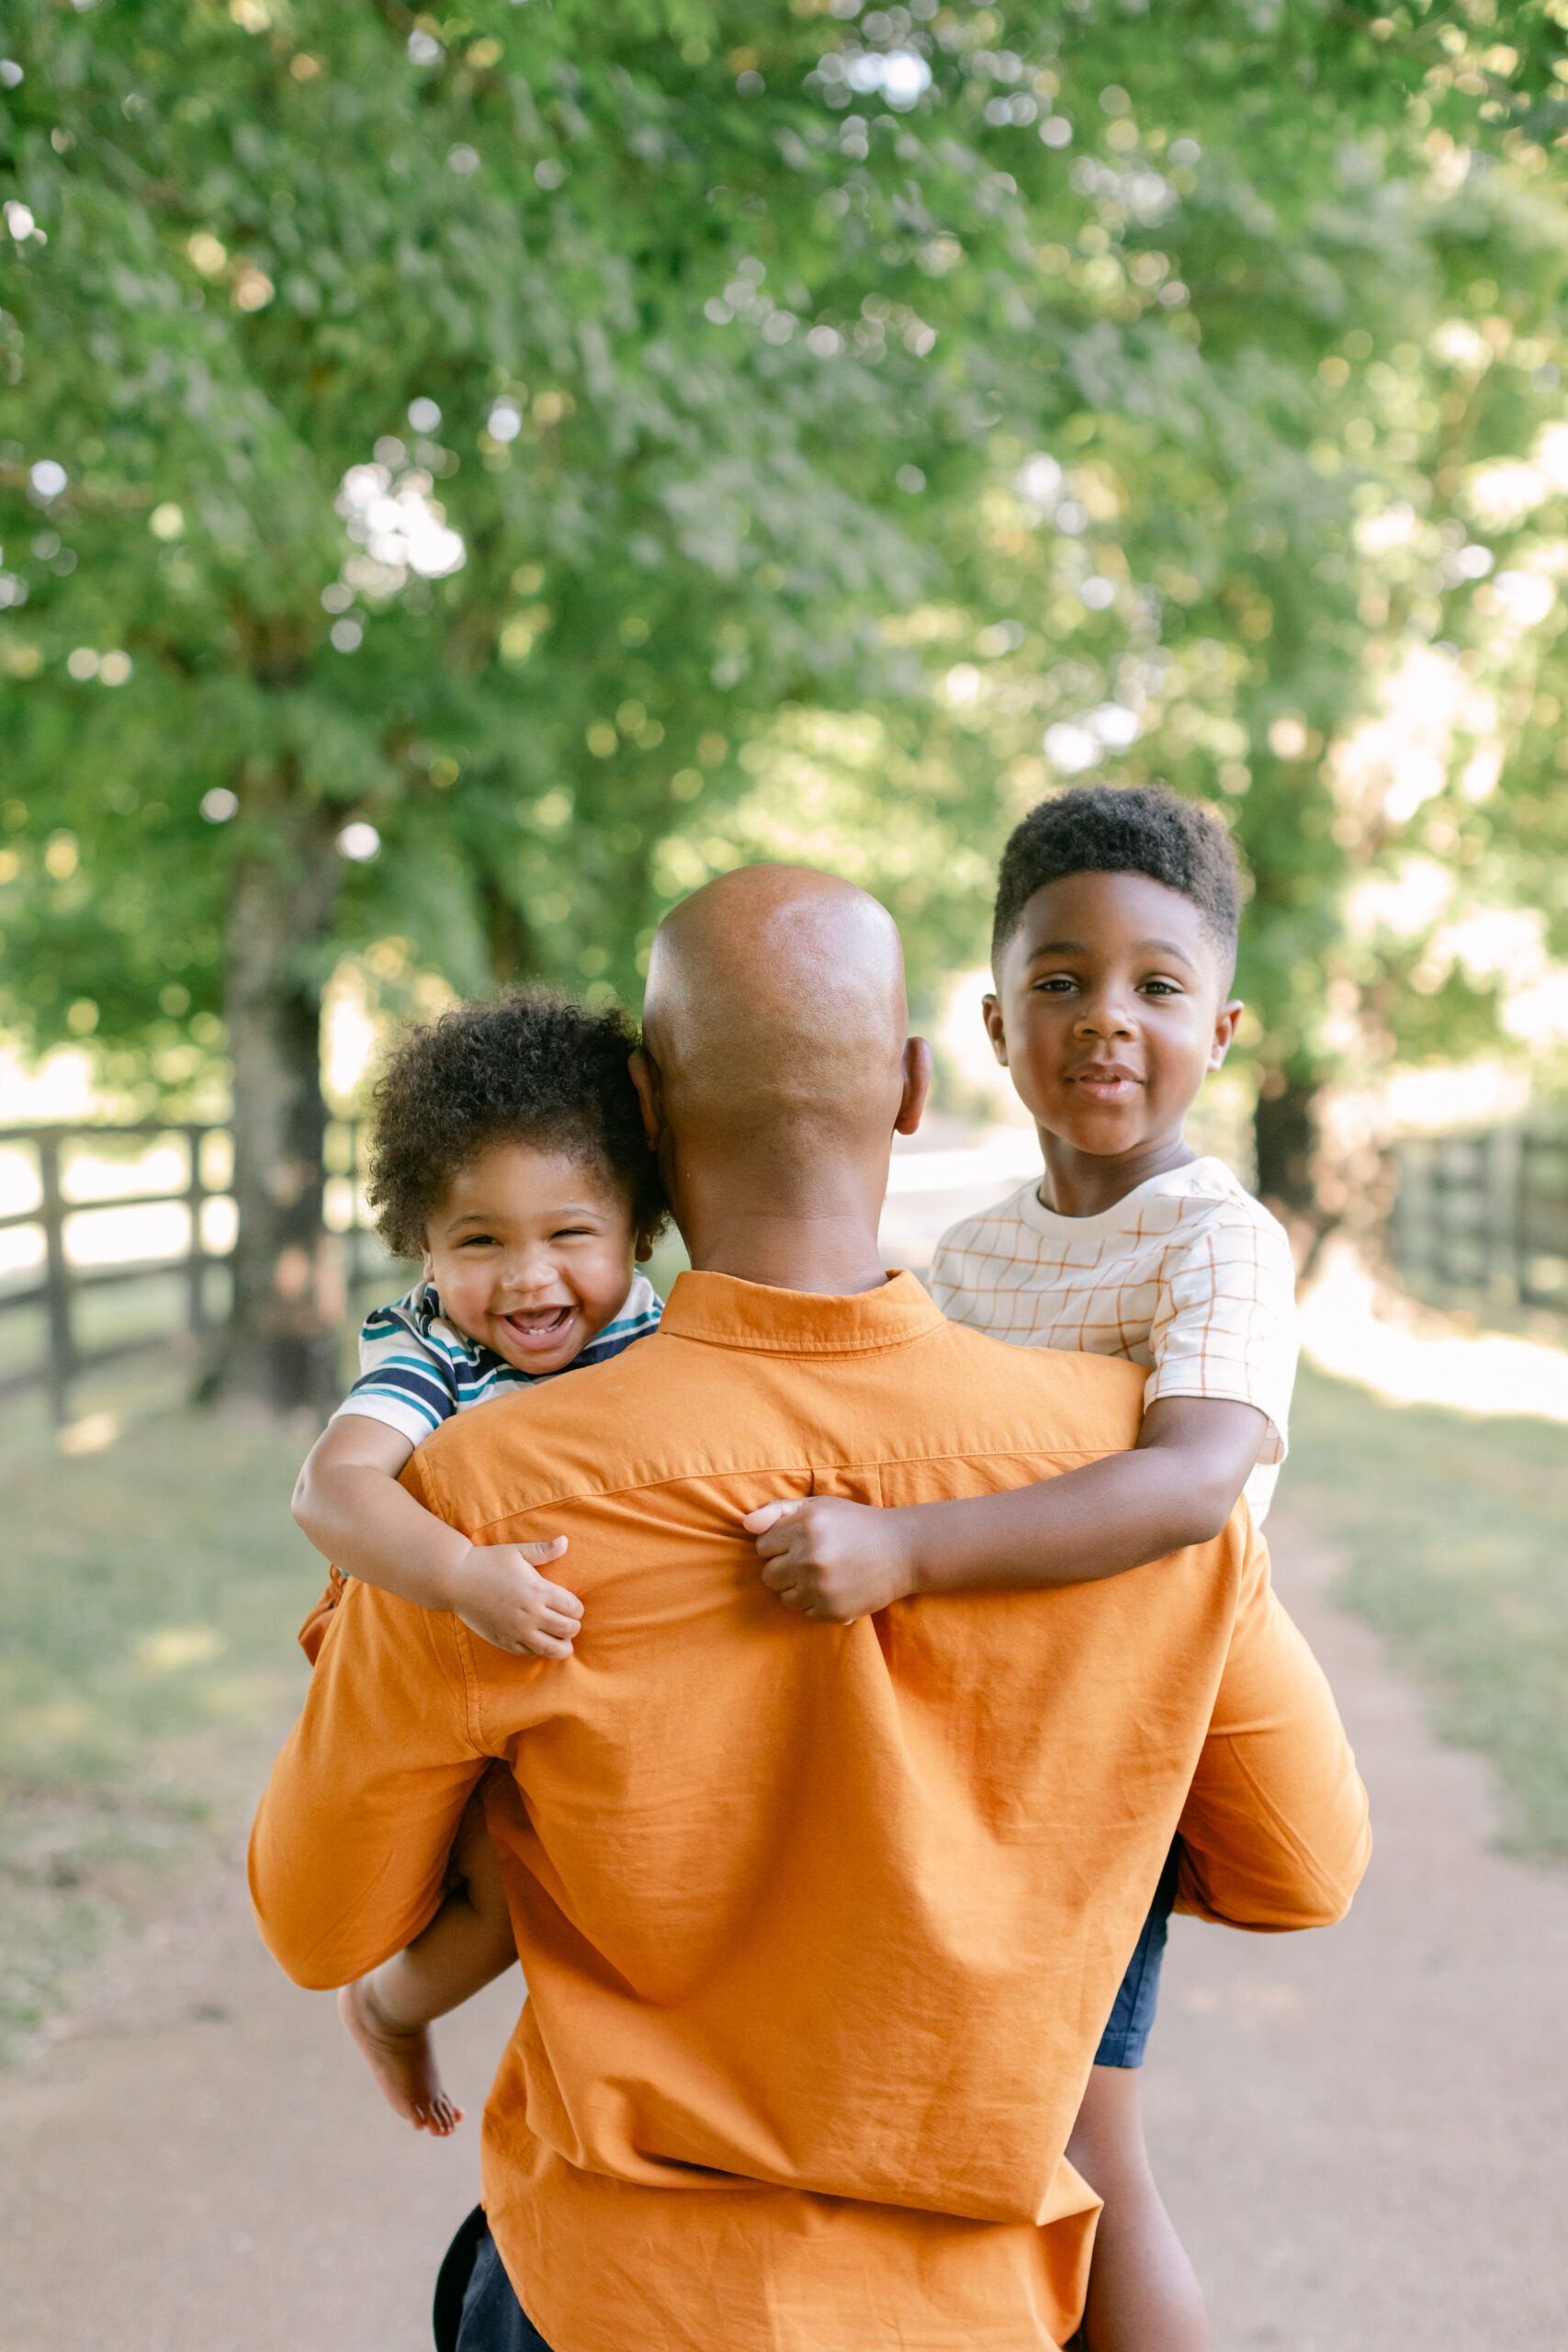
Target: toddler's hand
{"points": [[832, 1560], [502, 1596]]}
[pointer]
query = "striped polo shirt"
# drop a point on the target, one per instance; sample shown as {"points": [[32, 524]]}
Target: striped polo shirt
{"points": [[416, 1369]]}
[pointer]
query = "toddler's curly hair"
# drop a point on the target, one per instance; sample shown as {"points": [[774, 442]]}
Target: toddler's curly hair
{"points": [[531, 1067]]}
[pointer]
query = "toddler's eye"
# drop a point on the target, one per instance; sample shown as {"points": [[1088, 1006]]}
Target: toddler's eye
{"points": [[1161, 987], [1055, 984]]}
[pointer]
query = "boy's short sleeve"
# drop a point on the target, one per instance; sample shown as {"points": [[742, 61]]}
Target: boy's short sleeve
{"points": [[403, 1381], [1226, 1325]]}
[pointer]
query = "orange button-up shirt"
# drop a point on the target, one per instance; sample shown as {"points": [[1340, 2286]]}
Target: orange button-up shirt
{"points": [[820, 1925]]}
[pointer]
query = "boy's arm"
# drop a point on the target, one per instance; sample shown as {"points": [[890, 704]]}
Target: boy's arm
{"points": [[835, 1560], [349, 1502]]}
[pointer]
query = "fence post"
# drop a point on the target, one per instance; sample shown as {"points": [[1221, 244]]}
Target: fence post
{"points": [[1505, 1199], [1405, 1222], [56, 1282], [196, 1262], [356, 1223]]}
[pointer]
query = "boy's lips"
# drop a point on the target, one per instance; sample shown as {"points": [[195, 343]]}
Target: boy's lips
{"points": [[1105, 1083], [540, 1327]]}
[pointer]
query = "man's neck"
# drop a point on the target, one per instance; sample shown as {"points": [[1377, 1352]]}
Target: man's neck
{"points": [[834, 1252]]}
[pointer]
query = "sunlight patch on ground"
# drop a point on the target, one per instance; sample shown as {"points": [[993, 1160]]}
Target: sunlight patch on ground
{"points": [[1350, 1328]]}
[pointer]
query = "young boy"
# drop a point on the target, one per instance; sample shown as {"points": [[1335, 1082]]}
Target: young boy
{"points": [[1112, 950], [509, 1153]]}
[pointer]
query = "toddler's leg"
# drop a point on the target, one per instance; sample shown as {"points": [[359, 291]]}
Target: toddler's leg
{"points": [[1142, 2293], [467, 1945]]}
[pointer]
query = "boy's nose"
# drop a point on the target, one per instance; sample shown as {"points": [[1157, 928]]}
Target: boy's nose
{"points": [[1103, 1017], [530, 1273]]}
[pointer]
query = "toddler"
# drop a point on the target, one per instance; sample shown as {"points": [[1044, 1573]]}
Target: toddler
{"points": [[1112, 950], [509, 1154]]}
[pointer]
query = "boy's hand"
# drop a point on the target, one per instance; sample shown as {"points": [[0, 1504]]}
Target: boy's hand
{"points": [[834, 1561], [499, 1593]]}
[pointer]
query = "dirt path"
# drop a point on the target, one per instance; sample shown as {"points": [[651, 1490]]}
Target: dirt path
{"points": [[1364, 2135]]}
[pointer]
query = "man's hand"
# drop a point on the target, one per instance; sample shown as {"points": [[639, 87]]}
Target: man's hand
{"points": [[499, 1594], [833, 1561]]}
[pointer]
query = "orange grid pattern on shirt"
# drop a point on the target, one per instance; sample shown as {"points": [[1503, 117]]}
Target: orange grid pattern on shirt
{"points": [[1198, 1288]]}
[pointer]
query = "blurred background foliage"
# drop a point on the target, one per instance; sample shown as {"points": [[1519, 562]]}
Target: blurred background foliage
{"points": [[468, 477]]}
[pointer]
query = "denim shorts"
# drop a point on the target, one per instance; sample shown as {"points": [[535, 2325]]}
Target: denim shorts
{"points": [[1126, 2036], [475, 2308]]}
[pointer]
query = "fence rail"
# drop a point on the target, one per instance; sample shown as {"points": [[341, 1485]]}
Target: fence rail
{"points": [[57, 1181], [1481, 1219]]}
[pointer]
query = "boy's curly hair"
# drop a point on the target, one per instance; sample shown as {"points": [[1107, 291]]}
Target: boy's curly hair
{"points": [[1121, 828], [530, 1067]]}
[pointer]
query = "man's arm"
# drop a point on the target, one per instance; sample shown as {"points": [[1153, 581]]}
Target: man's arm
{"points": [[834, 1560], [349, 1849], [1275, 1833]]}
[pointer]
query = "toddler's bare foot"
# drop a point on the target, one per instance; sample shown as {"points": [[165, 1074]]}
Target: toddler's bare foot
{"points": [[403, 2060]]}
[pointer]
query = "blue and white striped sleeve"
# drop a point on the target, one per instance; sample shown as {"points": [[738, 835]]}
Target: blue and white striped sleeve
{"points": [[403, 1381]]}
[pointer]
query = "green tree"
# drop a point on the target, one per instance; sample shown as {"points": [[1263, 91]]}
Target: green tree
{"points": [[440, 448]]}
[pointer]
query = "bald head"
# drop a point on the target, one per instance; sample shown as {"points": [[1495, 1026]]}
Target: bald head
{"points": [[775, 1006]]}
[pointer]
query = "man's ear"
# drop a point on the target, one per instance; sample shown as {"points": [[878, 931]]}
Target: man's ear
{"points": [[917, 1086], [991, 1013], [650, 1093], [1225, 1031]]}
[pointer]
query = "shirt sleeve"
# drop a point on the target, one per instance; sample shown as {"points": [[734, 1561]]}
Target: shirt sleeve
{"points": [[1225, 1326], [402, 1381], [1275, 1830], [349, 1847]]}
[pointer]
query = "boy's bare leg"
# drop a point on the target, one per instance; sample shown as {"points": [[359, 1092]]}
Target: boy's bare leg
{"points": [[467, 1945], [1142, 2293]]}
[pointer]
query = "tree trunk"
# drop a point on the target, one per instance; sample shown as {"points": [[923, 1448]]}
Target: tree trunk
{"points": [[513, 954], [1284, 1132], [279, 1354], [1285, 1137]]}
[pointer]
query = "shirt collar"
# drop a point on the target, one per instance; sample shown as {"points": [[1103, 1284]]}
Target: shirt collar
{"points": [[428, 1309], [724, 1312]]}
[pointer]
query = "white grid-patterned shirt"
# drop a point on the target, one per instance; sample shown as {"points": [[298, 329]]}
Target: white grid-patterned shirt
{"points": [[416, 1369], [1187, 1275]]}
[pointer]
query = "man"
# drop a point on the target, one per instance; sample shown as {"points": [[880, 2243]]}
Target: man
{"points": [[821, 1923]]}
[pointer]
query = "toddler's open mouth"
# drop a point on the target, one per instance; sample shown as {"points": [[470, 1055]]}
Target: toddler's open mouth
{"points": [[540, 1327]]}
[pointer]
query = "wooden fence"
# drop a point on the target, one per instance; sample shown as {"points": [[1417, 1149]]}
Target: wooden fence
{"points": [[62, 1176], [1482, 1220], [1479, 1220]]}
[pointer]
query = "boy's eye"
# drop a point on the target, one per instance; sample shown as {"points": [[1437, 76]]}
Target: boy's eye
{"points": [[1161, 987], [477, 1242], [1055, 984]]}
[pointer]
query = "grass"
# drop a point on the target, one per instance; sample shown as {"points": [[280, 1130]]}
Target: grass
{"points": [[1455, 1534], [150, 1595]]}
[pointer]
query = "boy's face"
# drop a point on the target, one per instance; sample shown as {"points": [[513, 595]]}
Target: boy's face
{"points": [[1110, 1006], [532, 1254]]}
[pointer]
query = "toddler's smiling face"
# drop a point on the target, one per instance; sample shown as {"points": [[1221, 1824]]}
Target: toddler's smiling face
{"points": [[532, 1252]]}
